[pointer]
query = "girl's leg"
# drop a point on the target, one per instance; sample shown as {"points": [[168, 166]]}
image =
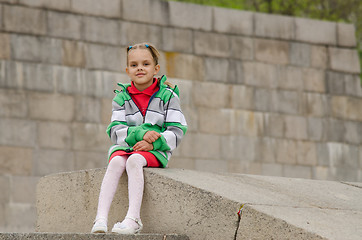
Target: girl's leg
{"points": [[115, 168], [134, 167]]}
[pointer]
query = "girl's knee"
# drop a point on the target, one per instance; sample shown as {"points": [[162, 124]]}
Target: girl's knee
{"points": [[136, 161], [118, 162]]}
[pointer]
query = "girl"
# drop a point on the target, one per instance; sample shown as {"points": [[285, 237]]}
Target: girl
{"points": [[147, 125]]}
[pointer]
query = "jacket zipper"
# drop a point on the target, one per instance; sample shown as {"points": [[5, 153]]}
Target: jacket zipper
{"points": [[152, 97], [143, 116]]}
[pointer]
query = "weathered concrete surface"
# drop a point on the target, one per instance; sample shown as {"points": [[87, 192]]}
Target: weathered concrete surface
{"points": [[67, 202], [205, 205], [83, 236]]}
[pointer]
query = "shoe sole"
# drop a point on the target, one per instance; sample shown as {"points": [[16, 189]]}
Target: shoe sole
{"points": [[126, 231], [99, 230]]}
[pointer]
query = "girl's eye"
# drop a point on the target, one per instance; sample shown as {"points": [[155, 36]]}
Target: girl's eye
{"points": [[133, 65], [146, 64]]}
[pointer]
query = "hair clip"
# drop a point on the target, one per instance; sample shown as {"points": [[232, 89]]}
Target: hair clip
{"points": [[129, 48], [147, 46]]}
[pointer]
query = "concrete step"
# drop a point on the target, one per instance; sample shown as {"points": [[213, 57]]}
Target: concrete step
{"points": [[88, 236], [204, 206]]}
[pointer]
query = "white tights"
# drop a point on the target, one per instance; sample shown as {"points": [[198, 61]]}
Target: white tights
{"points": [[134, 166]]}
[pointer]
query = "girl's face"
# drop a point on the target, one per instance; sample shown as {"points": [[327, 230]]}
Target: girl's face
{"points": [[141, 68]]}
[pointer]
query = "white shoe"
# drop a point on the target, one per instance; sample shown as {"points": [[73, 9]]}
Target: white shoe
{"points": [[100, 226], [124, 229]]}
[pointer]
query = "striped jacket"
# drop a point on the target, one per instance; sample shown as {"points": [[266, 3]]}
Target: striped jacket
{"points": [[163, 115]]}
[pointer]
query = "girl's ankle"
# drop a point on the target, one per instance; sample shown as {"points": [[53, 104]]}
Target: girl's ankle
{"points": [[100, 219], [130, 222]]}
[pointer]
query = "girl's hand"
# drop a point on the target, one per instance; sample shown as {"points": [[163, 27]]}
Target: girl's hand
{"points": [[143, 146], [151, 136]]}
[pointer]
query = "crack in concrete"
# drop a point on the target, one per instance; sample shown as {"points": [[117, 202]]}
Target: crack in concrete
{"points": [[351, 184], [302, 207], [240, 212], [237, 228]]}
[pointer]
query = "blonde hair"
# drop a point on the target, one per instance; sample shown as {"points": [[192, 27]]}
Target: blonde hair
{"points": [[154, 52]]}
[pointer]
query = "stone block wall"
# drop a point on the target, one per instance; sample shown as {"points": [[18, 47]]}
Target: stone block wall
{"points": [[263, 94]]}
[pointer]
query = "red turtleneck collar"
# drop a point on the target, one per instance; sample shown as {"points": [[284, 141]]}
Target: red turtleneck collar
{"points": [[142, 98], [148, 91]]}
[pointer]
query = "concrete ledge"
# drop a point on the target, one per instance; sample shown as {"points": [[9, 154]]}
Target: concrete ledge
{"points": [[80, 236], [67, 202], [205, 205]]}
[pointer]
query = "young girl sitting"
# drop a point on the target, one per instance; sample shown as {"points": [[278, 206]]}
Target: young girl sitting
{"points": [[147, 125]]}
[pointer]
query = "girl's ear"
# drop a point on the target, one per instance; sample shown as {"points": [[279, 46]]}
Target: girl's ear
{"points": [[127, 71], [157, 69]]}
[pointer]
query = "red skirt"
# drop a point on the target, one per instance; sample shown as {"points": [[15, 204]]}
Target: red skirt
{"points": [[150, 158]]}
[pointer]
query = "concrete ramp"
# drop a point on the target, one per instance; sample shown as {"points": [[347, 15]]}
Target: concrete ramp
{"points": [[205, 205]]}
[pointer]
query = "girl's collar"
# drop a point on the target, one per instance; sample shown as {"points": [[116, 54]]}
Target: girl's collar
{"points": [[148, 91], [162, 84]]}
